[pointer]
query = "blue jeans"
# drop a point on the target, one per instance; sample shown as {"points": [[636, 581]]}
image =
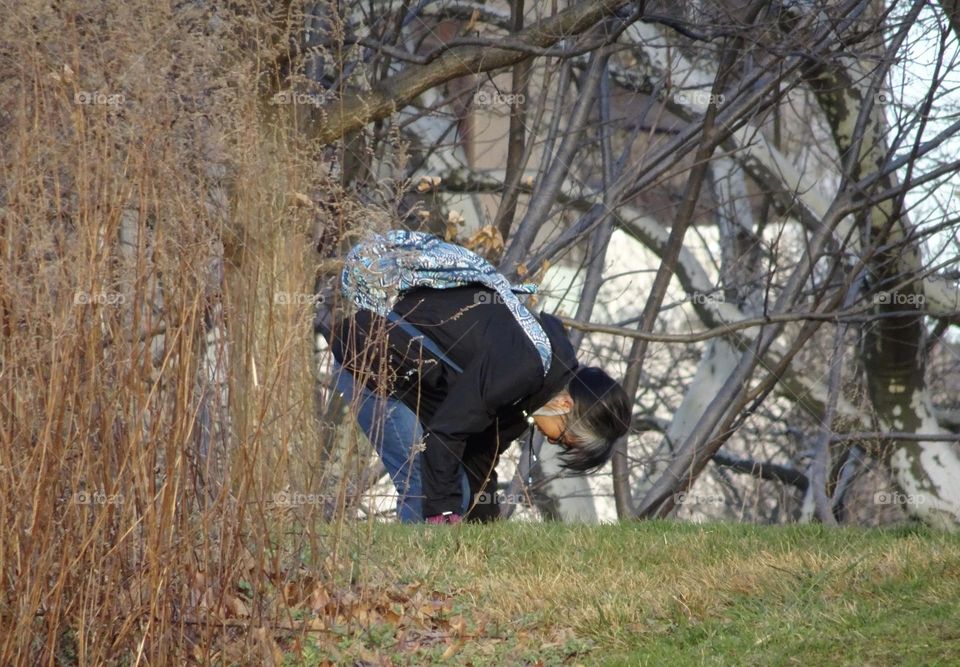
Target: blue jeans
{"points": [[393, 430]]}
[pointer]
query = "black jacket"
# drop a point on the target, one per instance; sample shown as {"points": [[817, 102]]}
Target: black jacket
{"points": [[468, 417]]}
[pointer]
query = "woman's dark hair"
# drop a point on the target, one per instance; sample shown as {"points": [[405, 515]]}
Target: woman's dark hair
{"points": [[599, 417]]}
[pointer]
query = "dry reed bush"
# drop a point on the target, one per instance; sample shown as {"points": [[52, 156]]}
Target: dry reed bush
{"points": [[156, 390]]}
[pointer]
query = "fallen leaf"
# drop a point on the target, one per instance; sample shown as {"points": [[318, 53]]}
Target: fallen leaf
{"points": [[458, 625], [270, 653], [303, 199], [319, 598], [236, 606], [452, 649]]}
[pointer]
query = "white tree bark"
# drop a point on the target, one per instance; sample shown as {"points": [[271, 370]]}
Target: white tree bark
{"points": [[928, 472], [570, 495], [894, 347]]}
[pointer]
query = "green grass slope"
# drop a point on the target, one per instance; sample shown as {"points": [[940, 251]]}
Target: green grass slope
{"points": [[657, 593]]}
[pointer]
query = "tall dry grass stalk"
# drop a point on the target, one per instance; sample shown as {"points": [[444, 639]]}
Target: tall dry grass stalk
{"points": [[157, 387]]}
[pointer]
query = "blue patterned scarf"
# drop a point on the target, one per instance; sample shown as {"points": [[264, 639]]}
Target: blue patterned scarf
{"points": [[377, 272]]}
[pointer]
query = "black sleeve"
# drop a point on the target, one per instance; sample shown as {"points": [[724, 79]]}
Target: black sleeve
{"points": [[487, 384], [358, 344], [480, 458], [383, 356]]}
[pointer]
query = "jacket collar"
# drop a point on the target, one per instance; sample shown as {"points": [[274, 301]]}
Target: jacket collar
{"points": [[562, 366]]}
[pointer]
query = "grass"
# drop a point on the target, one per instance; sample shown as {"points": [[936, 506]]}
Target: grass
{"points": [[663, 593]]}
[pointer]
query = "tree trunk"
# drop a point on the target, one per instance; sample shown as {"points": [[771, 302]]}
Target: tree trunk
{"points": [[893, 346]]}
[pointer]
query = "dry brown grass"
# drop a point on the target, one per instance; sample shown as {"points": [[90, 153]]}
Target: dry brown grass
{"points": [[151, 198]]}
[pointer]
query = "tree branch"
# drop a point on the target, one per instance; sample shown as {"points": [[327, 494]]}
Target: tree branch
{"points": [[331, 122], [770, 471]]}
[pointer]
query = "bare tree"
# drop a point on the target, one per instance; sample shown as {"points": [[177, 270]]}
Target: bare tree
{"points": [[708, 105]]}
